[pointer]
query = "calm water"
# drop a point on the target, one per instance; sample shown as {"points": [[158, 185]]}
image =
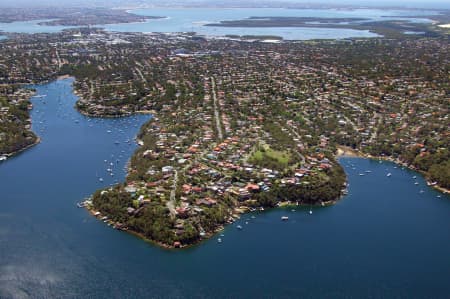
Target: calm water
{"points": [[182, 20], [31, 27], [385, 239]]}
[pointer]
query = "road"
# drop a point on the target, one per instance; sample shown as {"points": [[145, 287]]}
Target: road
{"points": [[171, 203], [216, 110]]}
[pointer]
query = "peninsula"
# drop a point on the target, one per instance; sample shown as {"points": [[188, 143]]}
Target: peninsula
{"points": [[243, 125], [15, 122]]}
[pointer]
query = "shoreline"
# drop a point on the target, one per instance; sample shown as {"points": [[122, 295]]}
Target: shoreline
{"points": [[14, 153], [237, 212], [35, 142], [345, 151], [112, 224]]}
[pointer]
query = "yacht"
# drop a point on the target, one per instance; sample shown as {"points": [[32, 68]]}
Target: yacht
{"points": [[284, 218], [389, 174]]}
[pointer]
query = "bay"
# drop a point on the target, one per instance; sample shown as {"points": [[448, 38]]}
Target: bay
{"points": [[194, 19], [384, 239]]}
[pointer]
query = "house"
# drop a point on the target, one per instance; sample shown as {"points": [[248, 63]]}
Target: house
{"points": [[252, 187], [167, 169]]}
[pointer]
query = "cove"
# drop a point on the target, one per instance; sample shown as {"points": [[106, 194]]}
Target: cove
{"points": [[384, 239]]}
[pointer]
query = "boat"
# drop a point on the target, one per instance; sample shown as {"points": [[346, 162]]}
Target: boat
{"points": [[3, 158], [100, 179], [414, 177], [389, 174], [284, 218], [219, 240], [361, 174], [239, 227], [416, 183], [310, 212]]}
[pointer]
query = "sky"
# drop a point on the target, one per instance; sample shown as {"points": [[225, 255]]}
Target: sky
{"points": [[409, 3]]}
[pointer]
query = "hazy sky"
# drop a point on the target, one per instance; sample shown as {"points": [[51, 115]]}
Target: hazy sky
{"points": [[408, 3]]}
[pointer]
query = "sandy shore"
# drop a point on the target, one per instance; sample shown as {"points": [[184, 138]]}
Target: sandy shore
{"points": [[346, 151]]}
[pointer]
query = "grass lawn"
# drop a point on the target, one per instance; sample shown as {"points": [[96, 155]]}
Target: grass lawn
{"points": [[271, 158]]}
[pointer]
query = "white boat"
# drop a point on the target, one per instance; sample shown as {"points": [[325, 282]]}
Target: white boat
{"points": [[219, 240], [416, 183], [284, 218], [239, 227], [310, 212], [3, 158], [389, 174]]}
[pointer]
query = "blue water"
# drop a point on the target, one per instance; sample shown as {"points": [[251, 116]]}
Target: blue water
{"points": [[186, 19], [384, 240], [31, 27], [193, 19]]}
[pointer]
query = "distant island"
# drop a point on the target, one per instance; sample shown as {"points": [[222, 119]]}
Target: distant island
{"points": [[238, 125], [388, 28]]}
